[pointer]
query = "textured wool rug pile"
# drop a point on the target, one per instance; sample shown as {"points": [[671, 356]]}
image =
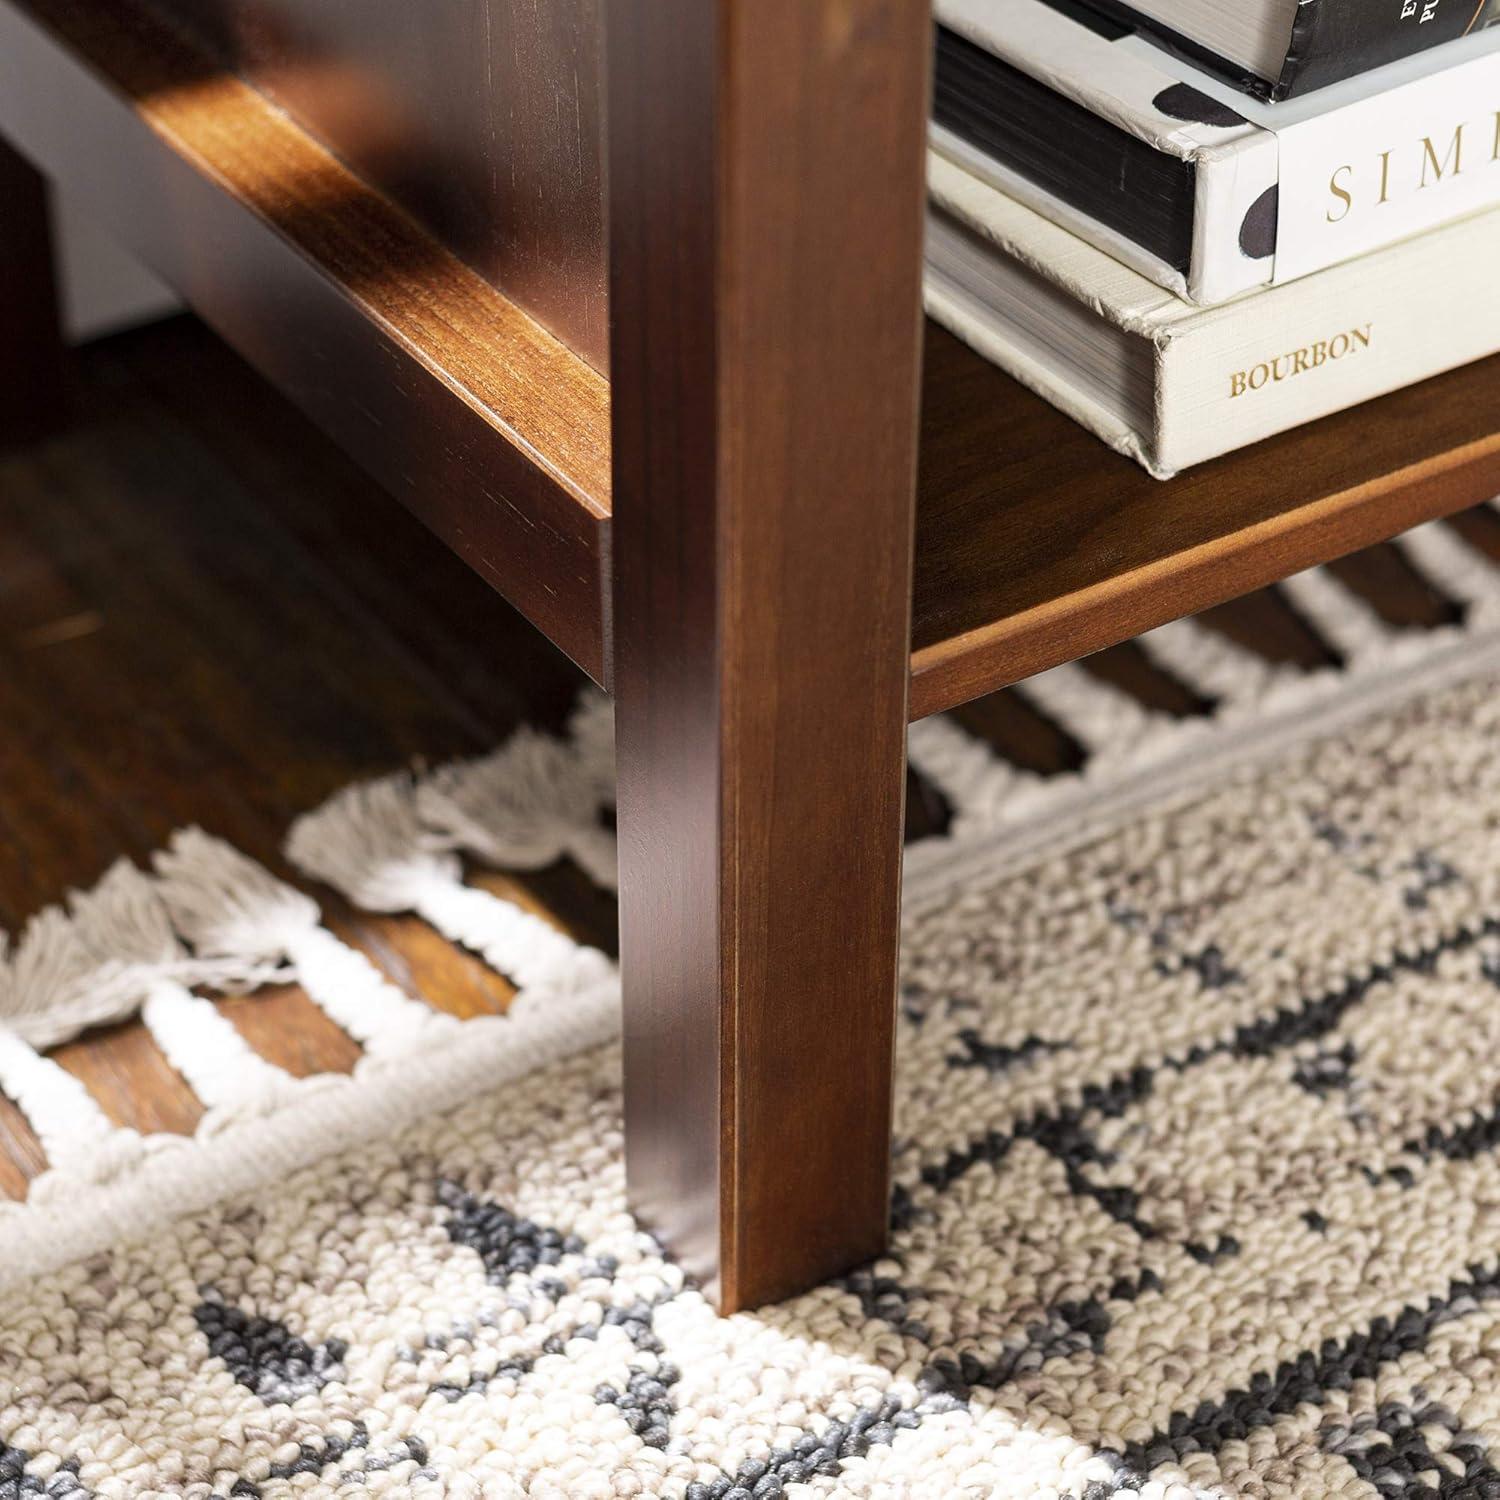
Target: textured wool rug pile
{"points": [[1197, 1191]]}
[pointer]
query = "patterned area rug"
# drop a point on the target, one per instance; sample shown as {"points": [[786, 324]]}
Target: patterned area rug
{"points": [[1196, 1184]]}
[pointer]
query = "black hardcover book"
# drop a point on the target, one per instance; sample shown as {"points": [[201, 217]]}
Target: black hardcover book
{"points": [[1278, 49]]}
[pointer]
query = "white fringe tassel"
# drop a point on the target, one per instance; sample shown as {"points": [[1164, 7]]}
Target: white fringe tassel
{"points": [[51, 987], [1096, 713], [526, 805], [368, 843], [221, 1068], [1453, 568], [976, 782], [1208, 662], [71, 972], [77, 1136], [1349, 624], [227, 906], [532, 953]]}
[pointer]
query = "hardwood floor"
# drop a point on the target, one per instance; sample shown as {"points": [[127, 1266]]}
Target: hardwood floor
{"points": [[208, 615]]}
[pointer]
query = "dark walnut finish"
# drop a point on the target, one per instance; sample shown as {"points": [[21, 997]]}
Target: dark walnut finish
{"points": [[765, 386], [483, 118], [1036, 544], [484, 424], [33, 384]]}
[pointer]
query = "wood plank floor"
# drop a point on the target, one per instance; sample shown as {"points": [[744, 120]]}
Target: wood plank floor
{"points": [[208, 615]]}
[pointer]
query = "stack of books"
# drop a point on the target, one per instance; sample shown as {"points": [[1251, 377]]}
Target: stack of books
{"points": [[1191, 224]]}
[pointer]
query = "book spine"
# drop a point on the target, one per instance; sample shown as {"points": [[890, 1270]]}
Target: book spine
{"points": [[1297, 352], [1234, 226], [1337, 39]]}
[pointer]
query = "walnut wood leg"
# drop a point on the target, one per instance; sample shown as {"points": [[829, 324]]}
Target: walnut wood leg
{"points": [[765, 368], [32, 386]]}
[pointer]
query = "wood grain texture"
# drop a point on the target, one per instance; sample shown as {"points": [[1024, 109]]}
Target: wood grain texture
{"points": [[483, 118], [33, 367], [478, 419], [1036, 544], [765, 369]]}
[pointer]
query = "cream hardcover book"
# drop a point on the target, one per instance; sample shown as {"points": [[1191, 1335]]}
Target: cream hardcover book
{"points": [[1172, 384]]}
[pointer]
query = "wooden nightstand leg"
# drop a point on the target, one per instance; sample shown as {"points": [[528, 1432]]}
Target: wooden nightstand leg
{"points": [[766, 200], [33, 391]]}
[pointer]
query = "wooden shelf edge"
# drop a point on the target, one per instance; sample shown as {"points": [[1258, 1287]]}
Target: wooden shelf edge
{"points": [[479, 420], [982, 660]]}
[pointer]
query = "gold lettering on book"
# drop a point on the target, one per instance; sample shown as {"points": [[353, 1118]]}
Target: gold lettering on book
{"points": [[1403, 169], [1429, 156], [1340, 192], [1298, 361]]}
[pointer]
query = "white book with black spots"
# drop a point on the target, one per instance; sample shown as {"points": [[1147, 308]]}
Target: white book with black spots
{"points": [[1204, 190], [1172, 384]]}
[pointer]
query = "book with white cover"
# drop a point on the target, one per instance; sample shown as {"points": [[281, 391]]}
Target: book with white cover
{"points": [[1203, 190], [1171, 384]]}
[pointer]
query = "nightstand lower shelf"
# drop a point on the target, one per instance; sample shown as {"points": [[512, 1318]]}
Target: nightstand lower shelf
{"points": [[1036, 544]]}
